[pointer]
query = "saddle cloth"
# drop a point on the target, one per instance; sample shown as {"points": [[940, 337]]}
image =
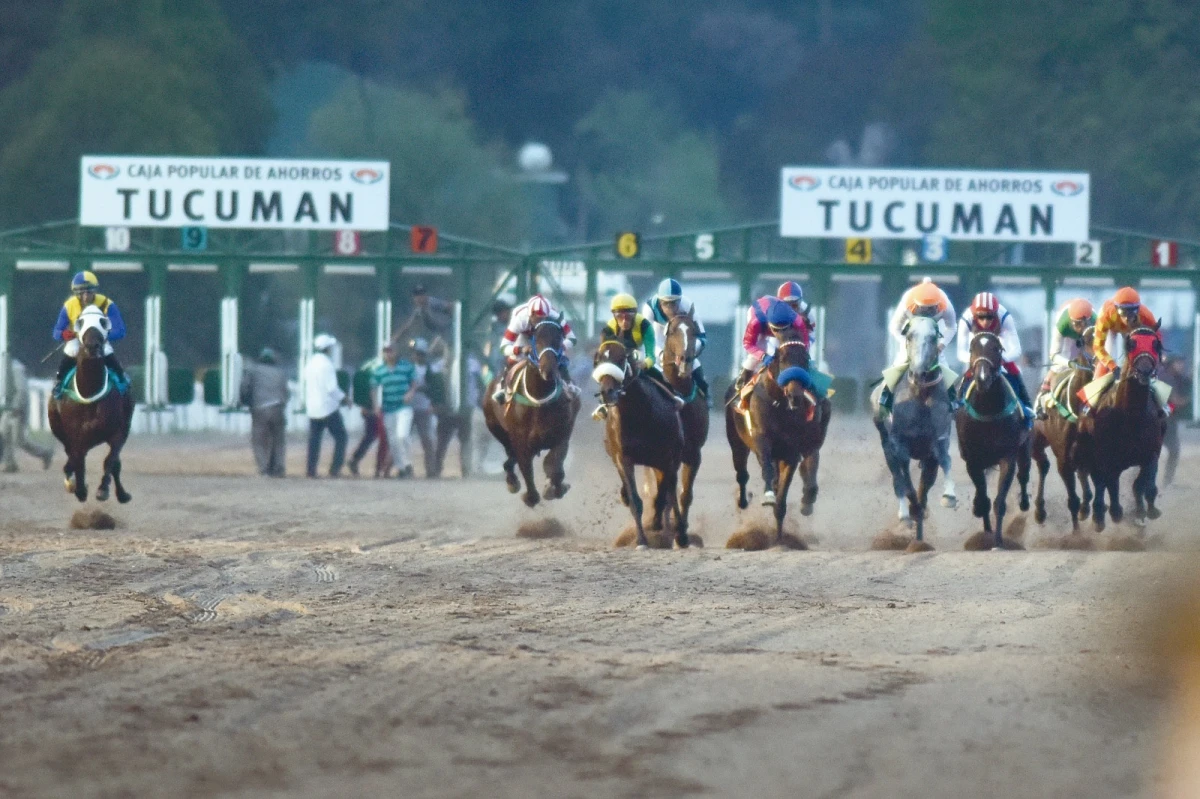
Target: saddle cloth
{"points": [[111, 381]]}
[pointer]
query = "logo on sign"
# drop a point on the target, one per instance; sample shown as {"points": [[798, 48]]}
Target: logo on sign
{"points": [[1066, 188], [104, 171], [366, 175], [804, 182]]}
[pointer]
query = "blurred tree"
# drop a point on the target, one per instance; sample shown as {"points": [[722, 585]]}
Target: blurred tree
{"points": [[441, 173], [26, 28], [125, 76], [640, 168], [1104, 87]]}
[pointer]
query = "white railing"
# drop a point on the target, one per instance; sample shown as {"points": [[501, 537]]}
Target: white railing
{"points": [[193, 417]]}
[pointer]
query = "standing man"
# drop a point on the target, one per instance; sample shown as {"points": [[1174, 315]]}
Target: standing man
{"points": [[393, 384], [264, 391], [451, 423], [430, 315], [15, 420], [1179, 377], [429, 400], [372, 430], [322, 399]]}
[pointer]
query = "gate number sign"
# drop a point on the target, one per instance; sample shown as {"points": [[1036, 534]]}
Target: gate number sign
{"points": [[1087, 253], [858, 251], [423, 239], [347, 242], [194, 238], [629, 245], [1164, 253]]}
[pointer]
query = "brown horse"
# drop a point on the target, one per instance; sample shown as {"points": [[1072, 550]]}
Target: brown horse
{"points": [[679, 358], [992, 432], [92, 412], [641, 428], [1070, 442], [1128, 425], [539, 416], [785, 426]]}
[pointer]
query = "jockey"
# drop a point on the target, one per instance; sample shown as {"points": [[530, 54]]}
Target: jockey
{"points": [[1066, 344], [518, 340], [83, 294], [987, 315], [780, 320], [661, 308], [791, 293], [757, 336], [1119, 316], [631, 329], [923, 299]]}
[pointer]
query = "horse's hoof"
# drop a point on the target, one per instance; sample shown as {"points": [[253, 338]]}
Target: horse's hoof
{"points": [[1039, 515], [806, 510], [123, 497], [531, 499], [102, 495], [1139, 520], [1024, 503], [563, 488], [640, 547], [949, 501], [1098, 526], [742, 501], [1153, 512], [81, 495], [681, 541], [1117, 514], [513, 486], [768, 498]]}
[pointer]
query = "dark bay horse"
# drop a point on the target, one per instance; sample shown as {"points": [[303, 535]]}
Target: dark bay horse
{"points": [[992, 432], [1128, 425], [785, 426], [539, 416], [92, 411], [641, 428], [1069, 440], [679, 357], [919, 426]]}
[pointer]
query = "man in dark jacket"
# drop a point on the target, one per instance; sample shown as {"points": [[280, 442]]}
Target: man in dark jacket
{"points": [[264, 391]]}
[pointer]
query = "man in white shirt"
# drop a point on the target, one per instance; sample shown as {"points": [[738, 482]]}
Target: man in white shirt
{"points": [[322, 399]]}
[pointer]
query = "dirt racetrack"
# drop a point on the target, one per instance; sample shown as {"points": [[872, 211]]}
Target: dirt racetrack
{"points": [[240, 636]]}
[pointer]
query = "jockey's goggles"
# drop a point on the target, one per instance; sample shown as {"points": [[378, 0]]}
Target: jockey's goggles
{"points": [[925, 310], [780, 328], [84, 290], [625, 312], [986, 316]]}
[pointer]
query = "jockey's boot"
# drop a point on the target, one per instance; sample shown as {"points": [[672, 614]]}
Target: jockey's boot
{"points": [[1022, 396], [702, 382], [886, 398], [64, 366], [742, 378], [1039, 405], [115, 367]]}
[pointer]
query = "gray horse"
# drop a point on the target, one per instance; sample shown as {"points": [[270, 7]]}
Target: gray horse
{"points": [[920, 423]]}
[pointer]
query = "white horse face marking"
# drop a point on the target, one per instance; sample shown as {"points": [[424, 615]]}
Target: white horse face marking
{"points": [[92, 318]]}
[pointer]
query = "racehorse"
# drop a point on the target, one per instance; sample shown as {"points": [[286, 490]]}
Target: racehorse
{"points": [[539, 415], [919, 428], [992, 432], [785, 426], [1128, 425], [641, 428], [1070, 441], [678, 360], [93, 409]]}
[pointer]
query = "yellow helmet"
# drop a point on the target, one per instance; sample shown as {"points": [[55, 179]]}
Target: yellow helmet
{"points": [[623, 302]]}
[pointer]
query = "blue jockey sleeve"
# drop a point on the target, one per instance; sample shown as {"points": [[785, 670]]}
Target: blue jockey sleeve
{"points": [[60, 325], [118, 324]]}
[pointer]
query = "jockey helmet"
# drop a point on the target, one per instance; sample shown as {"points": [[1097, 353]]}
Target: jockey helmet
{"points": [[84, 281], [1080, 310], [791, 293], [925, 299], [623, 302], [670, 290], [781, 316], [539, 306], [1127, 297], [985, 307]]}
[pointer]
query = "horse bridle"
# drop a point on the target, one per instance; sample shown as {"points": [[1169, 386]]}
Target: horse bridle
{"points": [[994, 364], [620, 392], [917, 378], [535, 355], [681, 360], [1139, 356]]}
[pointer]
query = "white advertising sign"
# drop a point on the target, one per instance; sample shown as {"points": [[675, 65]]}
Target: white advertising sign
{"points": [[153, 191], [970, 205]]}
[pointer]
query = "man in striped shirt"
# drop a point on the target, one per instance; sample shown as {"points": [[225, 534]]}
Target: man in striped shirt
{"points": [[393, 384]]}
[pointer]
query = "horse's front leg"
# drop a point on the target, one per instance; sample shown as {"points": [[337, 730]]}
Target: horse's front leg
{"points": [[787, 471], [929, 470], [77, 480], [1067, 472], [1085, 482], [1113, 486], [1145, 492], [531, 496], [762, 448], [625, 467], [982, 506], [1039, 501], [897, 456], [686, 481], [554, 467], [1100, 479], [808, 474], [1024, 456], [656, 482], [949, 490], [1008, 470]]}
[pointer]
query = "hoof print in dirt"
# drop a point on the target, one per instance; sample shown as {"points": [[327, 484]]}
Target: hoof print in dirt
{"points": [[984, 541], [92, 520], [542, 528]]}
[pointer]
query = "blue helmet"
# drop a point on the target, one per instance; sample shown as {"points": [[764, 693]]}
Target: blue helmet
{"points": [[670, 289], [790, 292], [781, 315], [84, 281]]}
